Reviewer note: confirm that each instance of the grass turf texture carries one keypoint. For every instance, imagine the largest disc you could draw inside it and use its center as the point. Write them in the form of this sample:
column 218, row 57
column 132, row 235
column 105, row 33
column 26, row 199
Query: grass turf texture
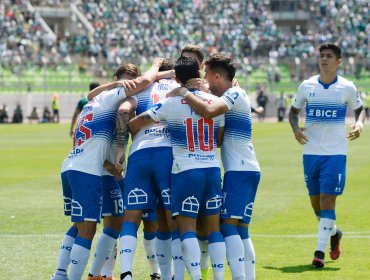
column 283, row 227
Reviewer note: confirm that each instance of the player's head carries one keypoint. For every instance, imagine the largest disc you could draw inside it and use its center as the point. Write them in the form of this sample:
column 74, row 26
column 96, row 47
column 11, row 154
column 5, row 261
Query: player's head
column 195, row 52
column 167, row 64
column 186, row 68
column 127, row 71
column 93, row 85
column 330, row 57
column 220, row 69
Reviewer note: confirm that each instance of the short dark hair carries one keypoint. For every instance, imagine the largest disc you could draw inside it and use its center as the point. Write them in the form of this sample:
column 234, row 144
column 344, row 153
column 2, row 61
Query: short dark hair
column 129, row 69
column 223, row 64
column 167, row 64
column 186, row 68
column 193, row 49
column 93, row 85
column 335, row 48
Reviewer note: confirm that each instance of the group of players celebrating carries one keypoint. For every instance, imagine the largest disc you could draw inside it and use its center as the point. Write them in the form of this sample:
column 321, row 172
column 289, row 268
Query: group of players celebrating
column 177, row 119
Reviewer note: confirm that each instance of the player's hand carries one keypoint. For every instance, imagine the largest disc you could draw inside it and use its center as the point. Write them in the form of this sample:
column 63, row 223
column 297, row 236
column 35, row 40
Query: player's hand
column 355, row 132
column 197, row 83
column 300, row 136
column 179, row 91
column 110, row 167
column 157, row 61
column 236, row 83
column 259, row 110
column 126, row 84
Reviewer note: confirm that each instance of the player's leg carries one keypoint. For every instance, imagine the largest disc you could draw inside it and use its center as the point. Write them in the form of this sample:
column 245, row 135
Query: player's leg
column 210, row 214
column 113, row 217
column 149, row 242
column 86, row 209
column 186, row 193
column 203, row 244
column 70, row 236
column 65, row 253
column 139, row 195
column 163, row 245
column 166, row 225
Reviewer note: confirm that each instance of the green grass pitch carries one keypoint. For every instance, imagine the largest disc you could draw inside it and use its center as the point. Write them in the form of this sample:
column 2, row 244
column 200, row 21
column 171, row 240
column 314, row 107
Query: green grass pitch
column 283, row 227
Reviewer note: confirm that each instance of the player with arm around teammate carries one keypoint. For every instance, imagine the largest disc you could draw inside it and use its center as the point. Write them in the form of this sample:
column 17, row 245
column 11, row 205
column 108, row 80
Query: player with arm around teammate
column 196, row 182
column 81, row 170
column 326, row 97
column 242, row 171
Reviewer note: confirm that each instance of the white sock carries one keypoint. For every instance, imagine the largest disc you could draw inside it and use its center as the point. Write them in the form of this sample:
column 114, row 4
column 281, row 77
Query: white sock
column 204, row 256
column 108, row 267
column 178, row 259
column 217, row 253
column 128, row 246
column 235, row 256
column 334, row 231
column 150, row 250
column 164, row 255
column 64, row 255
column 326, row 227
column 191, row 251
column 249, row 259
column 79, row 257
column 103, row 250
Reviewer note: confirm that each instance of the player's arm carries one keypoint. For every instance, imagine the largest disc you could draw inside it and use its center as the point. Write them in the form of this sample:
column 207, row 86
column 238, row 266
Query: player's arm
column 123, row 117
column 147, row 78
column 140, row 121
column 170, row 74
column 73, row 122
column 359, row 125
column 204, row 109
column 127, row 84
column 112, row 170
column 220, row 136
column 294, row 123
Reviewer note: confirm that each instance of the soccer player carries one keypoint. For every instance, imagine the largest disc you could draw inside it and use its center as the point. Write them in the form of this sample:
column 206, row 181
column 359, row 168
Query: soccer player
column 149, row 180
column 113, row 207
column 195, row 182
column 242, row 171
column 81, row 170
column 81, row 103
column 326, row 97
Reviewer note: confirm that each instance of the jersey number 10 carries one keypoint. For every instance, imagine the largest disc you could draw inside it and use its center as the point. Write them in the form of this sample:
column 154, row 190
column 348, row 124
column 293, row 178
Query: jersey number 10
column 201, row 123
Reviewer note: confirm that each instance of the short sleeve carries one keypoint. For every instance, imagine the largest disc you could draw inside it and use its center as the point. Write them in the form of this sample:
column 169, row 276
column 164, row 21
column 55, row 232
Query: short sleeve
column 300, row 97
column 354, row 99
column 159, row 111
column 230, row 98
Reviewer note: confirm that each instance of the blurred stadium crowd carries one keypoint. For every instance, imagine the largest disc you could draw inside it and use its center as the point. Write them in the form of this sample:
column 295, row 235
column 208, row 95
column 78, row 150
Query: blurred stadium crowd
column 138, row 30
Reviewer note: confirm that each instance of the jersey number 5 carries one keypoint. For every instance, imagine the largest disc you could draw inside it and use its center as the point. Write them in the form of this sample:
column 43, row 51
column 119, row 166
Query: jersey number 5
column 85, row 131
column 201, row 124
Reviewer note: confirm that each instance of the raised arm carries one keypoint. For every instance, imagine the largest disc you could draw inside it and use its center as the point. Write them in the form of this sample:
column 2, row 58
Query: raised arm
column 203, row 108
column 147, row 78
column 98, row 90
column 294, row 123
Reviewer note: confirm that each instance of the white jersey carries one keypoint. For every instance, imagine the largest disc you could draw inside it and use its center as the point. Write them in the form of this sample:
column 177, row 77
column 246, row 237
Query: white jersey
column 156, row 135
column 94, row 133
column 326, row 106
column 193, row 138
column 237, row 149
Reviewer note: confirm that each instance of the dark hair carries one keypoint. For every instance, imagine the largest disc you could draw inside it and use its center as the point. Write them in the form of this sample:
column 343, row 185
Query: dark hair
column 193, row 49
column 335, row 48
column 223, row 64
column 186, row 68
column 129, row 69
column 93, row 85
column 167, row 64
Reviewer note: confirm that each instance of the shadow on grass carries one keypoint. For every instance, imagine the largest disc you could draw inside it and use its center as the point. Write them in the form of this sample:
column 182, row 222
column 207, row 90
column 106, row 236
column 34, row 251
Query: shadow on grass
column 300, row 268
